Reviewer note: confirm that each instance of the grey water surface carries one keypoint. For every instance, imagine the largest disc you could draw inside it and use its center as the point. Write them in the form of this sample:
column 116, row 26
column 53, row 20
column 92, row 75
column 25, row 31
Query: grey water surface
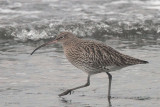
column 129, row 26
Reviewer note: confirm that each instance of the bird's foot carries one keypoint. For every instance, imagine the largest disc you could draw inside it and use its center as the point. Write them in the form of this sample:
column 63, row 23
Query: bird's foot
column 65, row 93
column 109, row 101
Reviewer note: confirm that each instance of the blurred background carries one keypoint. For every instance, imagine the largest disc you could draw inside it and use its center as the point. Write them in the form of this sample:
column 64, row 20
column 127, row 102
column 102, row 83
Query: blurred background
column 130, row 26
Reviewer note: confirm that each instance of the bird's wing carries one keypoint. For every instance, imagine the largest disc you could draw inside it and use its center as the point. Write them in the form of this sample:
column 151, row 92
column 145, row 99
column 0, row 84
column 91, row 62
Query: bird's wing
column 100, row 55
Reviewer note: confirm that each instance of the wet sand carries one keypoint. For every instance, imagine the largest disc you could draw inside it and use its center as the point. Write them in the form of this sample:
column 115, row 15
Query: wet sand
column 36, row 81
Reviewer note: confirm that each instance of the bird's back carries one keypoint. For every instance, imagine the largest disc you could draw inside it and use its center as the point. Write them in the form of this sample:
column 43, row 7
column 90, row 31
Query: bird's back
column 94, row 56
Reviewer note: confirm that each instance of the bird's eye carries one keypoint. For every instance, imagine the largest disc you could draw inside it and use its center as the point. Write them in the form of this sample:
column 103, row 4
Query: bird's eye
column 61, row 37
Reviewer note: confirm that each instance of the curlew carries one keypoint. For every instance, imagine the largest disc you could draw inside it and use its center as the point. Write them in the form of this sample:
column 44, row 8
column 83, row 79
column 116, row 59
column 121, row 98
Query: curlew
column 92, row 57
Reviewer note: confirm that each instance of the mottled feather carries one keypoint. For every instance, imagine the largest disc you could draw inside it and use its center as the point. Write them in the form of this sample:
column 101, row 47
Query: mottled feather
column 90, row 55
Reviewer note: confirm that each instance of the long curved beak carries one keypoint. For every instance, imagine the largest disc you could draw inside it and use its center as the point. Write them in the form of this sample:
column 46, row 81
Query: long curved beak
column 50, row 42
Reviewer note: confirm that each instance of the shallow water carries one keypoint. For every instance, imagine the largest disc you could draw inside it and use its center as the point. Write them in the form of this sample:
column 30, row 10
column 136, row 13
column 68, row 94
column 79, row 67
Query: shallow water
column 131, row 27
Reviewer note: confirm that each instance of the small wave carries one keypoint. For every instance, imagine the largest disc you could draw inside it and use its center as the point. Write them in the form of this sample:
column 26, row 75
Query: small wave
column 103, row 29
column 32, row 21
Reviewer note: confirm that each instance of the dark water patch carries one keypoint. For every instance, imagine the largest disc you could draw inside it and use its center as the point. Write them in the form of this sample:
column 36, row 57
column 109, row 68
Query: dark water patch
column 37, row 93
column 65, row 101
column 12, row 103
column 141, row 98
column 10, row 89
column 71, row 103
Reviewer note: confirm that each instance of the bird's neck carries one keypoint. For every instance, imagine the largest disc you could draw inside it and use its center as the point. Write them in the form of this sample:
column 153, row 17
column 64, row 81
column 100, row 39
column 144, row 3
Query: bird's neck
column 71, row 42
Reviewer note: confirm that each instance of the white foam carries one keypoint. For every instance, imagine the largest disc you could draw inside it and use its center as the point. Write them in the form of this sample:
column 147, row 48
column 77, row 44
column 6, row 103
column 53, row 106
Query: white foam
column 33, row 35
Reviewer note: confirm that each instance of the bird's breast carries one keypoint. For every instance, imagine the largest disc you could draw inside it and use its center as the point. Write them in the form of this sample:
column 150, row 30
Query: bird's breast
column 79, row 59
column 73, row 55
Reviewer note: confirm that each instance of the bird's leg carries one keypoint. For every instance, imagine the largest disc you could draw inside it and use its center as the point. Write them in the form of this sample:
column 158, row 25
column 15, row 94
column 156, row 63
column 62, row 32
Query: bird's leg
column 109, row 88
column 69, row 90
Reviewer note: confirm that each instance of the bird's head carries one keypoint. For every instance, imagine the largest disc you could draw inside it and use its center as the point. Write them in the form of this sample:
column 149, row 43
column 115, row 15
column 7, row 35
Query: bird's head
column 64, row 37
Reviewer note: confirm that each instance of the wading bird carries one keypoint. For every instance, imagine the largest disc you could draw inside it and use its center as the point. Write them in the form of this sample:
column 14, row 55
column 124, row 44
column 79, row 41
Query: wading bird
column 92, row 57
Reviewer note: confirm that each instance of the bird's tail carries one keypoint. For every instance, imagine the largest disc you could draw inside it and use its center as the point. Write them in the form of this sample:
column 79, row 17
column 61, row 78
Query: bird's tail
column 143, row 62
column 132, row 61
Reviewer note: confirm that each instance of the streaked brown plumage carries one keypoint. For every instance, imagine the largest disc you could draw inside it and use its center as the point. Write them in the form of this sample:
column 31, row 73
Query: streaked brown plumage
column 96, row 56
column 92, row 57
